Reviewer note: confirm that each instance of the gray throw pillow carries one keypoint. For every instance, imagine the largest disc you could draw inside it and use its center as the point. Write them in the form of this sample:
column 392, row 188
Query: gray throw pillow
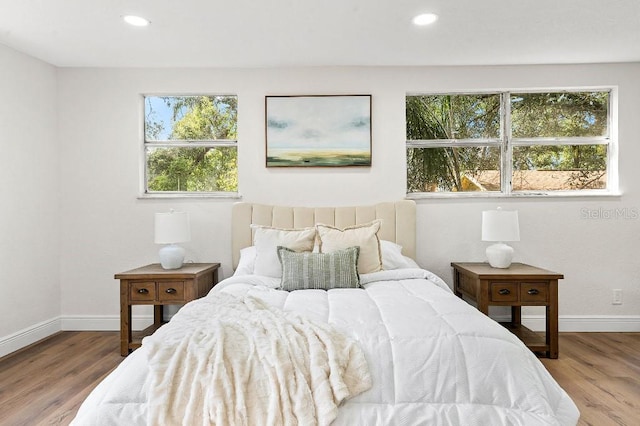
column 306, row 270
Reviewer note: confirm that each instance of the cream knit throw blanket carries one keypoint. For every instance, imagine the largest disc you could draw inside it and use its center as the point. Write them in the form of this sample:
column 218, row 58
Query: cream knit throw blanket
column 225, row 360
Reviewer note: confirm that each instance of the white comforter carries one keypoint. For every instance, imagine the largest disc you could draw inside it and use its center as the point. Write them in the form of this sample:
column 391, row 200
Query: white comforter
column 434, row 360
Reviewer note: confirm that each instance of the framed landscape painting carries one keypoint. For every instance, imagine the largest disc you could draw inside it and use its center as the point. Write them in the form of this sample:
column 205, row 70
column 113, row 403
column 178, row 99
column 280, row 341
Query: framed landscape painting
column 318, row 131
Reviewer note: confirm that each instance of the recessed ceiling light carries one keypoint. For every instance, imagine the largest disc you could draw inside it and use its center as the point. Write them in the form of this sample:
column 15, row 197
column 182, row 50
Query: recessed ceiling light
column 425, row 19
column 136, row 20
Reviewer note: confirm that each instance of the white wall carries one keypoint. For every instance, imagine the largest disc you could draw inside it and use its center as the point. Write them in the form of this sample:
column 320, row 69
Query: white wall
column 69, row 168
column 107, row 229
column 29, row 218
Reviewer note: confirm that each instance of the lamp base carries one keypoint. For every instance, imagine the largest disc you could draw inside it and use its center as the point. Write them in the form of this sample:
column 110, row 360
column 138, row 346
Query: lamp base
column 499, row 255
column 171, row 256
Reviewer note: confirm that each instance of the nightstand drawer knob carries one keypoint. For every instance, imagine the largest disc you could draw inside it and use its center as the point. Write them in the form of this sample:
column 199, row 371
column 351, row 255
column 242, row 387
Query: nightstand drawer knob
column 533, row 291
column 504, row 291
column 143, row 291
column 170, row 290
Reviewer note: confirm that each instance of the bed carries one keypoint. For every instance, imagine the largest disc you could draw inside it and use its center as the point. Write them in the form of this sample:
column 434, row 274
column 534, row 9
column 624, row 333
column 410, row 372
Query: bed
column 413, row 352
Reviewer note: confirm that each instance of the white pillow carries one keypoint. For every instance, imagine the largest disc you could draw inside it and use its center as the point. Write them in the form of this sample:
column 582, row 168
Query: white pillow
column 267, row 239
column 364, row 236
column 392, row 257
column 247, row 262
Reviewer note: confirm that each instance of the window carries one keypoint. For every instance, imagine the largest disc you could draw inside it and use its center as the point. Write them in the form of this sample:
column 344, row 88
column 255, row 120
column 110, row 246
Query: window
column 509, row 142
column 190, row 145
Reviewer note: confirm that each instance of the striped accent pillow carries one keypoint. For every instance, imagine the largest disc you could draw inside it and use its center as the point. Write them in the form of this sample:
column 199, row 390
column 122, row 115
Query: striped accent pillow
column 305, row 270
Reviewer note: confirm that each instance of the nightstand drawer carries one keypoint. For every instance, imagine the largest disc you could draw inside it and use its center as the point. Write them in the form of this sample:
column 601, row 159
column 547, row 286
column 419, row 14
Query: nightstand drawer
column 171, row 291
column 504, row 292
column 142, row 291
column 534, row 292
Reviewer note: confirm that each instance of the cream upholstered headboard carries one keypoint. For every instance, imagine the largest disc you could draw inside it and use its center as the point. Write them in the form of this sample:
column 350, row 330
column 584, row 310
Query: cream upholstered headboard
column 398, row 221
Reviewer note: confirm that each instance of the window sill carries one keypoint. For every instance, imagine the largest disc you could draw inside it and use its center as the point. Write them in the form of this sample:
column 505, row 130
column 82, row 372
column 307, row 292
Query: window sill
column 190, row 195
column 516, row 195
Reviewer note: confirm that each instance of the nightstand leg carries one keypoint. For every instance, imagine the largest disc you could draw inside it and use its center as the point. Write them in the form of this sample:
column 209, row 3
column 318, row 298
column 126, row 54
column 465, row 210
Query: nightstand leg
column 482, row 296
column 125, row 329
column 125, row 318
column 552, row 333
column 456, row 283
column 158, row 313
column 516, row 315
column 552, row 320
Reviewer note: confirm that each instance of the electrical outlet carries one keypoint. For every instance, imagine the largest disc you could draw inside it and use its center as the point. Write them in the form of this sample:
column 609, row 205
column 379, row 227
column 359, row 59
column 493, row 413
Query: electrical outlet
column 617, row 297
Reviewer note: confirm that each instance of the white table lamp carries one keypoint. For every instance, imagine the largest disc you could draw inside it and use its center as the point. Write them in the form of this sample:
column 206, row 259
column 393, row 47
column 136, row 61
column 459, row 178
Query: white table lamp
column 172, row 228
column 500, row 225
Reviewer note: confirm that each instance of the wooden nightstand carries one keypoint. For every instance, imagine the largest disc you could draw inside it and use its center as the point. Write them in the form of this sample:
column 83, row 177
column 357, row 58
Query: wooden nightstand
column 152, row 285
column 517, row 286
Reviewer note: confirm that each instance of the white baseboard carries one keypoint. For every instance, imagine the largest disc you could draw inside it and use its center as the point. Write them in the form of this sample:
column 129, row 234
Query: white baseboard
column 582, row 323
column 575, row 323
column 37, row 332
column 27, row 336
column 103, row 323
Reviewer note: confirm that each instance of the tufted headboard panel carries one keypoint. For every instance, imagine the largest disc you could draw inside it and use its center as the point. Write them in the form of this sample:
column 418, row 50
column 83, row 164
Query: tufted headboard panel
column 398, row 221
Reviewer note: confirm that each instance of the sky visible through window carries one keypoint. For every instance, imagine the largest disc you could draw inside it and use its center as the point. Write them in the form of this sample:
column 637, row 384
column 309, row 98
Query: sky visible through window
column 157, row 110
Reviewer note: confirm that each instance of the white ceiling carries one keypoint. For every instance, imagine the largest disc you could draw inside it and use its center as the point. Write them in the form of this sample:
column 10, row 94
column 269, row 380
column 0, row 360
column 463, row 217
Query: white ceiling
column 269, row 33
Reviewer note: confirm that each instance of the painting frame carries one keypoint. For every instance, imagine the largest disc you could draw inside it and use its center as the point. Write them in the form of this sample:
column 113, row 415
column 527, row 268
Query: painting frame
column 318, row 131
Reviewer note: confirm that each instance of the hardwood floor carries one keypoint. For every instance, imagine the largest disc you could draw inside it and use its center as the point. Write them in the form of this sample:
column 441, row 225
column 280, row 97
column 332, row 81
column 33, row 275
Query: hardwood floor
column 45, row 383
column 601, row 372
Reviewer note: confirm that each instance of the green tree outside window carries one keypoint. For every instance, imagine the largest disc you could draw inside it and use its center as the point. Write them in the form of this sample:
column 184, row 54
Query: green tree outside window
column 191, row 144
column 541, row 141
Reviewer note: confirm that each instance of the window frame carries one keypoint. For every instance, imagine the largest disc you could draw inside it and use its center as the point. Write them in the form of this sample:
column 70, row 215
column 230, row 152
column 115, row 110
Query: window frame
column 506, row 143
column 181, row 143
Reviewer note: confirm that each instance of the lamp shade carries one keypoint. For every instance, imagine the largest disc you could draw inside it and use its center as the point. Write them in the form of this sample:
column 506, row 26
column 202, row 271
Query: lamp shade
column 500, row 225
column 172, row 227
